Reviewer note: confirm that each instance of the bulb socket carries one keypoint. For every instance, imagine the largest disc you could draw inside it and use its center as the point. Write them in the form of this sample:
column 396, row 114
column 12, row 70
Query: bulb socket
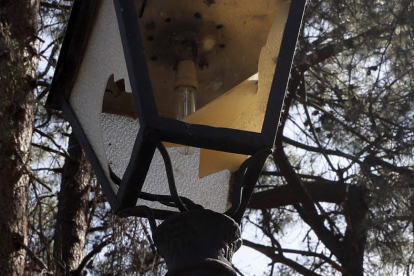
column 186, row 74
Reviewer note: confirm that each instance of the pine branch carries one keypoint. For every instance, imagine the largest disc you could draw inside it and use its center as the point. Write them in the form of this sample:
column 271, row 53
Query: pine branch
column 312, row 216
column 335, row 48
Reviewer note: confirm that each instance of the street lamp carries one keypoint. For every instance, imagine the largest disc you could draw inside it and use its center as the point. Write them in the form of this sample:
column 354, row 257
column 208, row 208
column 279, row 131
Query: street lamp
column 180, row 93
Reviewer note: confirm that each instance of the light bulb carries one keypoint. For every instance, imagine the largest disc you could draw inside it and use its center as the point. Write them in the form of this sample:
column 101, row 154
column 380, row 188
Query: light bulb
column 185, row 95
column 185, row 105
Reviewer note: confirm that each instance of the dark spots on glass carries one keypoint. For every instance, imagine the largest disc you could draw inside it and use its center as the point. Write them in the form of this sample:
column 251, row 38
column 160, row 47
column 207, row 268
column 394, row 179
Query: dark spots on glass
column 150, row 26
column 203, row 65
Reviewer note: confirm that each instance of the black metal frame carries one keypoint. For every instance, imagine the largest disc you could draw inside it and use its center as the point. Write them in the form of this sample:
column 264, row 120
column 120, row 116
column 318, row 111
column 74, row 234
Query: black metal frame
column 174, row 131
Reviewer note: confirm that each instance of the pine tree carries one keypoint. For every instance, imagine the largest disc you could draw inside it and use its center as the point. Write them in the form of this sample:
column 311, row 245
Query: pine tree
column 17, row 67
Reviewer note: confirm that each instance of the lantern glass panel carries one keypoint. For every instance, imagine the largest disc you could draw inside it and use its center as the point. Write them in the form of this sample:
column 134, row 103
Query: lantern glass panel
column 119, row 133
column 103, row 57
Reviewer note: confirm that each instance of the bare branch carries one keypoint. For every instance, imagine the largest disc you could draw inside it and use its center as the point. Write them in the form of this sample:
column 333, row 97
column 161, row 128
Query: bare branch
column 36, row 179
column 278, row 258
column 320, row 191
column 55, row 6
column 90, row 255
column 237, row 270
column 35, row 258
column 52, row 140
column 50, row 150
column 55, row 170
column 305, row 176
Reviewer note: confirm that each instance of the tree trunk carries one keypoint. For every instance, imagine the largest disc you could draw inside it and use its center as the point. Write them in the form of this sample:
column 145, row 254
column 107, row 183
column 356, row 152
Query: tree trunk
column 356, row 212
column 72, row 219
column 18, row 28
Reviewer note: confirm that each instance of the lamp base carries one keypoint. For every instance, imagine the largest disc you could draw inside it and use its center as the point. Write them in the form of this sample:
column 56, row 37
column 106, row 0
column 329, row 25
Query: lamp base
column 208, row 267
column 198, row 243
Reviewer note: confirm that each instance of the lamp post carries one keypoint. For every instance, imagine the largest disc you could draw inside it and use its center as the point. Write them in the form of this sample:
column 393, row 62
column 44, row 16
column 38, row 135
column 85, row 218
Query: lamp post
column 169, row 99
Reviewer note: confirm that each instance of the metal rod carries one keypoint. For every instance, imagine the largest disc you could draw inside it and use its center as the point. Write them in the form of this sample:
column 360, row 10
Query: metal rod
column 240, row 178
column 138, row 211
column 168, row 200
column 153, row 137
column 158, row 198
